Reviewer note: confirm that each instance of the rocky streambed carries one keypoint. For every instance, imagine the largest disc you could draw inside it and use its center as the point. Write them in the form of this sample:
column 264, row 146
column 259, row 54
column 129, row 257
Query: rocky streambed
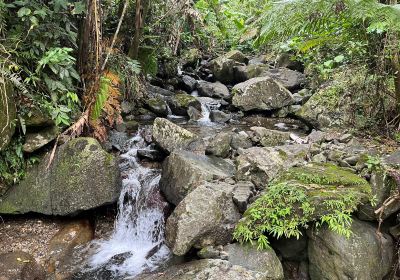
column 190, row 165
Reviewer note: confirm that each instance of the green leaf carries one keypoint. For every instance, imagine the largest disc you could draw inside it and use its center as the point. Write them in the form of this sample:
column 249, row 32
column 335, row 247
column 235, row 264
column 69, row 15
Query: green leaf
column 24, row 12
column 339, row 58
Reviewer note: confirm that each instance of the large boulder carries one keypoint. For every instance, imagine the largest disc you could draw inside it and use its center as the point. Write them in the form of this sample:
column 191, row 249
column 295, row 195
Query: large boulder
column 82, row 176
column 290, row 79
column 206, row 269
column 223, row 66
column 183, row 171
column 20, row 266
column 180, row 103
column 263, row 93
column 237, row 56
column 7, row 113
column 365, row 255
column 170, row 136
column 263, row 261
column 217, row 90
column 260, row 165
column 206, row 216
column 268, row 137
column 220, row 145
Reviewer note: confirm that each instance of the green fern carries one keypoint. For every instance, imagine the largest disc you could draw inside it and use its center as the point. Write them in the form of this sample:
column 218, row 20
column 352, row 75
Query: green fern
column 101, row 98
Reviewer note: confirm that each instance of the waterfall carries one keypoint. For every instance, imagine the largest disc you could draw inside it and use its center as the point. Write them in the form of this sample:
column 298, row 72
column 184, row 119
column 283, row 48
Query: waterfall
column 138, row 236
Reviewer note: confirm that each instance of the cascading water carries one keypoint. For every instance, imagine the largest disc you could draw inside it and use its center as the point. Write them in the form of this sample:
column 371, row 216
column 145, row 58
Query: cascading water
column 138, row 236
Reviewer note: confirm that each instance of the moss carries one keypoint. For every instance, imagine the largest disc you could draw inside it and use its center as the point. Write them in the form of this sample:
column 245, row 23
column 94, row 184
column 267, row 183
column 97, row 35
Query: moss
column 184, row 100
column 8, row 208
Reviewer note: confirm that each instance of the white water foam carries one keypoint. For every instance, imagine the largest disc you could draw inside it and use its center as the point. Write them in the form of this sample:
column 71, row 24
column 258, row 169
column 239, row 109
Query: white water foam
column 139, row 228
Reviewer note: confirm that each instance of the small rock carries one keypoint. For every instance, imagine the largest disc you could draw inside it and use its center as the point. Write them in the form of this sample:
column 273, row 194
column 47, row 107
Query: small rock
column 345, row 138
column 241, row 140
column 157, row 106
column 20, row 266
column 188, row 83
column 242, row 193
column 194, row 114
column 319, row 158
column 180, row 103
column 220, row 145
column 219, row 116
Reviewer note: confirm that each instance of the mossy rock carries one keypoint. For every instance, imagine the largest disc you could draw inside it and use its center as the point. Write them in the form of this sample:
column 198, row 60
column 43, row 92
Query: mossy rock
column 82, row 176
column 316, row 192
column 180, row 103
column 8, row 113
column 157, row 106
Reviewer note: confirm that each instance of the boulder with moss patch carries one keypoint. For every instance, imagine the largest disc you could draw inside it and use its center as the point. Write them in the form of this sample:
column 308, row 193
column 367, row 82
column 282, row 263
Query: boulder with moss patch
column 315, row 192
column 8, row 113
column 158, row 106
column 82, row 176
column 180, row 103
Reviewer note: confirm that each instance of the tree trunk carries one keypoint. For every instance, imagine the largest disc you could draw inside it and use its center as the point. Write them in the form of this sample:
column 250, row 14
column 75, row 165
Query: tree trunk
column 139, row 24
column 90, row 52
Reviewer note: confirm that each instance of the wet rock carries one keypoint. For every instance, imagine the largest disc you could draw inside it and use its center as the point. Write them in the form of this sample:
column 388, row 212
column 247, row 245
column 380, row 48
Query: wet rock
column 180, row 103
column 157, row 106
column 62, row 246
column 290, row 79
column 362, row 256
column 268, row 137
column 263, row 261
column 246, row 72
column 216, row 89
column 260, row 165
column 157, row 91
column 206, row 216
column 170, row 136
column 183, row 171
column 20, row 266
column 220, row 145
column 188, row 83
column 206, row 269
column 82, row 176
column 144, row 115
column 8, row 114
column 242, row 193
column 219, row 116
column 35, row 141
column 152, row 155
column 194, row 114
column 117, row 140
column 261, row 94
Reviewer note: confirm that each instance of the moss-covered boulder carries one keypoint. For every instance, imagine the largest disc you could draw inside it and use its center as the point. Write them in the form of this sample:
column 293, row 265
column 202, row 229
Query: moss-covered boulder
column 191, row 57
column 364, row 255
column 259, row 94
column 324, row 193
column 7, row 113
column 222, row 68
column 180, row 103
column 81, row 176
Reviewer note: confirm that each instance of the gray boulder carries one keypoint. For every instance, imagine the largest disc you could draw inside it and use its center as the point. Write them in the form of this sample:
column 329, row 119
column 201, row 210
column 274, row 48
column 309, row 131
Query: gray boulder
column 216, row 89
column 219, row 116
column 261, row 93
column 242, row 194
column 260, row 165
column 246, row 72
column 288, row 78
column 37, row 140
column 184, row 171
column 206, row 216
column 268, row 137
column 8, row 113
column 82, row 176
column 188, row 83
column 237, row 56
column 206, row 270
column 170, row 136
column 364, row 255
column 263, row 261
column 222, row 68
